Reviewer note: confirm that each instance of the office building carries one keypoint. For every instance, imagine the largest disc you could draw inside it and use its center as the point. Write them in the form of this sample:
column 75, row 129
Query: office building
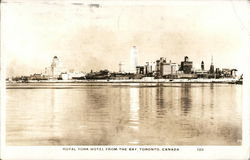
column 149, row 68
column 133, row 59
column 186, row 66
column 159, row 66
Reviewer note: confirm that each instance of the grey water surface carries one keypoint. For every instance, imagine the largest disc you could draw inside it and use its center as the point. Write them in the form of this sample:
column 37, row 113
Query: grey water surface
column 124, row 114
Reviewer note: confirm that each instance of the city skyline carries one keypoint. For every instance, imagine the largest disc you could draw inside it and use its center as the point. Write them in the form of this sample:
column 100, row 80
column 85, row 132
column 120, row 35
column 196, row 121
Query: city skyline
column 99, row 37
column 57, row 68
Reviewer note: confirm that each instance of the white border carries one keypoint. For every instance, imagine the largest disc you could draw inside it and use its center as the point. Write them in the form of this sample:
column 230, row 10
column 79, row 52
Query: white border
column 185, row 152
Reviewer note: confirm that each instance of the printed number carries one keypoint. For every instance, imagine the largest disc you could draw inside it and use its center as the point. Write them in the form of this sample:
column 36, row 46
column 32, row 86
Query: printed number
column 200, row 149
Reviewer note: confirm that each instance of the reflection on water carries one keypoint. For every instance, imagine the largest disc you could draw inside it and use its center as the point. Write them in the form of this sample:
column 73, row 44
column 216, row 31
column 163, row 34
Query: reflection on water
column 186, row 99
column 134, row 114
column 82, row 114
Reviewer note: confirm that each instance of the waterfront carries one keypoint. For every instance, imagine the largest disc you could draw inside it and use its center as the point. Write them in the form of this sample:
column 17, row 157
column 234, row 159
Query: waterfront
column 128, row 114
column 144, row 80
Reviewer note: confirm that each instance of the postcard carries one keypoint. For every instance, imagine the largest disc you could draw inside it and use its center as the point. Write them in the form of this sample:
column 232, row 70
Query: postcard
column 125, row 79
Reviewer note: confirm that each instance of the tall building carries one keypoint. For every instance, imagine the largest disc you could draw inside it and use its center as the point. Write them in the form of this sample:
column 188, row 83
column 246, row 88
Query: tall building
column 56, row 67
column 159, row 66
column 164, row 68
column 133, row 59
column 169, row 69
column 186, row 65
column 148, row 68
column 211, row 70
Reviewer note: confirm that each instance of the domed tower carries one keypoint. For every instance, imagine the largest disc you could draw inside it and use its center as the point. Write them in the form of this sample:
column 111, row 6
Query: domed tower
column 202, row 66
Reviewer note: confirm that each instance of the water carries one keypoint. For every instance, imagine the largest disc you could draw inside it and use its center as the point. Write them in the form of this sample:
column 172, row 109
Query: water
column 100, row 114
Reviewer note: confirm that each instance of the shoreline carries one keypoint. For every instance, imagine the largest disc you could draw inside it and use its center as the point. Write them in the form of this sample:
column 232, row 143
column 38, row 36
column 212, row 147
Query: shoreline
column 225, row 80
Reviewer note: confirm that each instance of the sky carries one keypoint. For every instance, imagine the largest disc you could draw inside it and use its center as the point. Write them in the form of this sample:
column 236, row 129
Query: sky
column 86, row 37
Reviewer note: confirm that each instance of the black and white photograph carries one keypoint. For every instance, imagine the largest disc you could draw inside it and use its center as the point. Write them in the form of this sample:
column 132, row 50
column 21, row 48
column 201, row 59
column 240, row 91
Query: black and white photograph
column 125, row 74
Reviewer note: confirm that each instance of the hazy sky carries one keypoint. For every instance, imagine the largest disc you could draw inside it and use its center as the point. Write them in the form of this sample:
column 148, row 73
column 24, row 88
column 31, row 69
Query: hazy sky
column 85, row 37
